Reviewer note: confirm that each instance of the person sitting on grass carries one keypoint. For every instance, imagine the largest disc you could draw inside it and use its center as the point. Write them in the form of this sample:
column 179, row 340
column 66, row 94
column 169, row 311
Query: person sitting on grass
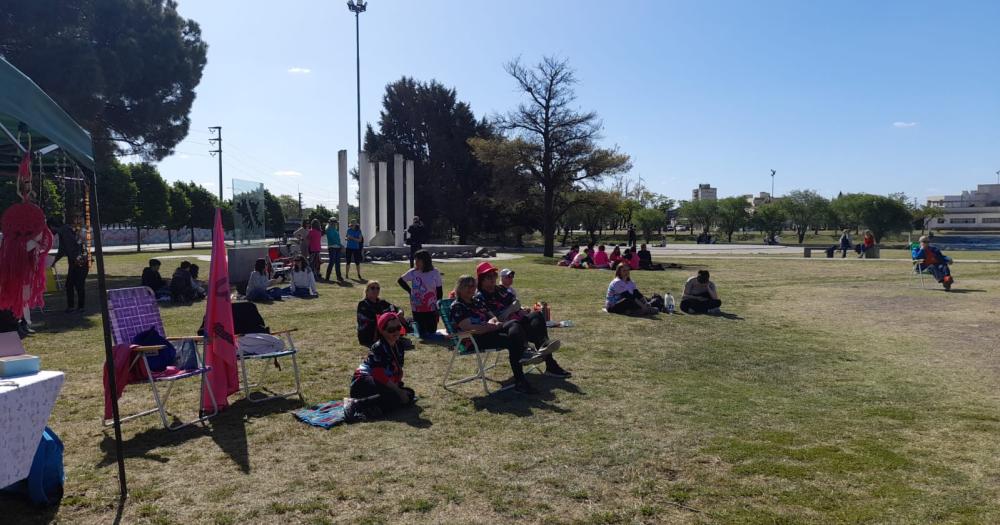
column 615, row 258
column 580, row 261
column 259, row 286
column 570, row 256
column 197, row 284
column 151, row 279
column 303, row 279
column 370, row 308
column 181, row 289
column 700, row 295
column 929, row 258
column 631, row 258
column 505, row 306
column 381, row 373
column 601, row 259
column 423, row 283
column 470, row 314
column 623, row 296
column 646, row 259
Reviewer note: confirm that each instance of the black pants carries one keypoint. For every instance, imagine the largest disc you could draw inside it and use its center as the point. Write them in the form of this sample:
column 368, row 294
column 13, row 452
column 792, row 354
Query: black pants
column 387, row 399
column 699, row 306
column 414, row 248
column 334, row 260
column 427, row 323
column 628, row 305
column 514, row 337
column 75, row 282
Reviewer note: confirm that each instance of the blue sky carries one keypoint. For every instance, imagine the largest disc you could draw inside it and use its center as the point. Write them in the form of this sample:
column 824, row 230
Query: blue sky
column 836, row 96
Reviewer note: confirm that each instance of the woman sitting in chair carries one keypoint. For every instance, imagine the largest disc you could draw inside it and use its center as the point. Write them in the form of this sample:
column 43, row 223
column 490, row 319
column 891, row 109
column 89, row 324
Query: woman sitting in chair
column 381, row 373
column 370, row 308
column 505, row 306
column 930, row 259
column 470, row 314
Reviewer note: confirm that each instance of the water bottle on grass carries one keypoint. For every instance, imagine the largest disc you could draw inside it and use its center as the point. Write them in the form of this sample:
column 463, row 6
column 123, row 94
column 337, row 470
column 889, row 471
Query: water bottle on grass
column 670, row 303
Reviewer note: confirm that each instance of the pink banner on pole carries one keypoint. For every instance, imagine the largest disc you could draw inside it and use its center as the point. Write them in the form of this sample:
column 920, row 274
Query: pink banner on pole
column 220, row 341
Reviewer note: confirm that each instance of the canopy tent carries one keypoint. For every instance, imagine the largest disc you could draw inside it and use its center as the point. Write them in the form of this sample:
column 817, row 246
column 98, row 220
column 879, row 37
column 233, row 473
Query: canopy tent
column 24, row 106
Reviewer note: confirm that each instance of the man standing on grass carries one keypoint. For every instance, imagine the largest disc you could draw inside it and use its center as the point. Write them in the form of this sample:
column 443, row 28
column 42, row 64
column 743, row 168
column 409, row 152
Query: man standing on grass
column 415, row 235
column 333, row 249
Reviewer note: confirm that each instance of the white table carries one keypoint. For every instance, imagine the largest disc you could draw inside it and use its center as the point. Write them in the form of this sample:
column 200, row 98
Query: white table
column 24, row 411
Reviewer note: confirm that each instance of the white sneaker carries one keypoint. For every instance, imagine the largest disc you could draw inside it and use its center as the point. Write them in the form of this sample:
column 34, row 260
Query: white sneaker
column 549, row 346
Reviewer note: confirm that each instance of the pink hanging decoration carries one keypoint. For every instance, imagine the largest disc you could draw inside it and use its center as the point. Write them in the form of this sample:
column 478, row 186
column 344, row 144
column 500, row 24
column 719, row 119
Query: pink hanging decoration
column 26, row 242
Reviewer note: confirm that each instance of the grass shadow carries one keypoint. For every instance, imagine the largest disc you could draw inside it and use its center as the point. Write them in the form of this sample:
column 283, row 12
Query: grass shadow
column 412, row 416
column 145, row 443
column 521, row 405
column 964, row 290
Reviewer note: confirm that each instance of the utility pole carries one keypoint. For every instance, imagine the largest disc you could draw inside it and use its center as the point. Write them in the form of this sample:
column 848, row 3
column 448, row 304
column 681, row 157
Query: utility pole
column 217, row 141
column 998, row 176
column 300, row 205
column 357, row 8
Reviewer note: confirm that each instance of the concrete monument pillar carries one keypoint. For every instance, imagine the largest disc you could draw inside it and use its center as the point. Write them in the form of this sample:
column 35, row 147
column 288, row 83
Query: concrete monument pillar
column 369, row 213
column 342, row 208
column 397, row 190
column 410, row 212
column 383, row 197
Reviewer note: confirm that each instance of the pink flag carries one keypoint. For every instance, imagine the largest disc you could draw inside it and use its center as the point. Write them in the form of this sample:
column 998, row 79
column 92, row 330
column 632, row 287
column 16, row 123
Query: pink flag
column 220, row 341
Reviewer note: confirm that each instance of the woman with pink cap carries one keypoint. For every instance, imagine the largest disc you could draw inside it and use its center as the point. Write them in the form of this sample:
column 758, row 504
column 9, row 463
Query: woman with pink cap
column 381, row 373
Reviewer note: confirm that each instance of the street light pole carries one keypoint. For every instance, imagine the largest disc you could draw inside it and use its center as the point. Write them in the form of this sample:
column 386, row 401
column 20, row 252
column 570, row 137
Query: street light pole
column 358, row 7
column 772, row 184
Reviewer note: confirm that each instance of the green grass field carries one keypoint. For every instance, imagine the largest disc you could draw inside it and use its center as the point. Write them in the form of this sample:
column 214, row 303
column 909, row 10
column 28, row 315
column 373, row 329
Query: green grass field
column 834, row 393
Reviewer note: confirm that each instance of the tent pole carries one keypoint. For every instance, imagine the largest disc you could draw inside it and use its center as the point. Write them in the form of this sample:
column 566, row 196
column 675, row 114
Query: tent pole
column 102, row 297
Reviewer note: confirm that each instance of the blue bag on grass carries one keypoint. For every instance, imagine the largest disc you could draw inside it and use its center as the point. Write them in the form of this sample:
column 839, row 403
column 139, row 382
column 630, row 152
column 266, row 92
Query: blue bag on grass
column 44, row 485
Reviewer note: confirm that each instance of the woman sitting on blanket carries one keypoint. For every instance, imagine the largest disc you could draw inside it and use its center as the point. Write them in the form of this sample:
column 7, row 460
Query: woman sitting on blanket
column 470, row 314
column 381, row 373
column 370, row 308
column 259, row 286
column 303, row 280
column 623, row 296
column 506, row 308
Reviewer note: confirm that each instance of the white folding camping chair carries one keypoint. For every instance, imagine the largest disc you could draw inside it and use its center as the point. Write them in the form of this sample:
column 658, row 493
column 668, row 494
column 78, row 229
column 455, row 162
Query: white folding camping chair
column 257, row 343
column 462, row 344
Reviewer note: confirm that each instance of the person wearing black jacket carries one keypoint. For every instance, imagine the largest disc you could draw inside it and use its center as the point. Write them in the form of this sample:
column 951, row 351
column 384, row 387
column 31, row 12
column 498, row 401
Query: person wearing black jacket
column 152, row 279
column 71, row 248
column 416, row 234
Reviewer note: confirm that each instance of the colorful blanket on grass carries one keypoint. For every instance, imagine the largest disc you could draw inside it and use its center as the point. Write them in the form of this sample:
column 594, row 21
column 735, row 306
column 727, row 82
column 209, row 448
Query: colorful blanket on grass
column 324, row 415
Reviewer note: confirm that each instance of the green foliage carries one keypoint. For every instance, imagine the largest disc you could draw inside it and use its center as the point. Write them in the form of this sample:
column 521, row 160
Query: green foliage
column 275, row 215
column 848, row 210
column 289, row 207
column 320, row 213
column 426, row 123
column 885, row 215
column 700, row 213
column 549, row 141
column 116, row 192
column 152, row 204
column 124, row 69
column 805, row 209
column 733, row 215
column 180, row 207
column 769, row 219
column 48, row 197
column 648, row 220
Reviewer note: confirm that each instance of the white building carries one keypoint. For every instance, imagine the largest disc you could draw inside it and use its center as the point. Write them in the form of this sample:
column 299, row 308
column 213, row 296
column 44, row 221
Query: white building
column 978, row 209
column 704, row 192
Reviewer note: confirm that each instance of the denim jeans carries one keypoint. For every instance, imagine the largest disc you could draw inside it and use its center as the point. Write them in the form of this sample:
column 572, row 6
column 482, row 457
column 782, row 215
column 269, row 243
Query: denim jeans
column 334, row 254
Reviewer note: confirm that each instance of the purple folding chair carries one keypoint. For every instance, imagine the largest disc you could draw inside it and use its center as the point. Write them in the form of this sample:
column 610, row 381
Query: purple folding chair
column 135, row 310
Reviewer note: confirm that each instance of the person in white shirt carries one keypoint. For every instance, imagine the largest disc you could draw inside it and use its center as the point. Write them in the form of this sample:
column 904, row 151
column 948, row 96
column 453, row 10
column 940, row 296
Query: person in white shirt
column 303, row 279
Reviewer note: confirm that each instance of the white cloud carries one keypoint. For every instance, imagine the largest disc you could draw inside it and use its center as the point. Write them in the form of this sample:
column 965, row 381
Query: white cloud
column 904, row 124
column 288, row 173
column 299, row 71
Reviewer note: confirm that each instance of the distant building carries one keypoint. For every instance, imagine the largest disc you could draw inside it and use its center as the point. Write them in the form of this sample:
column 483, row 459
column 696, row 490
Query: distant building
column 978, row 209
column 704, row 192
column 762, row 198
